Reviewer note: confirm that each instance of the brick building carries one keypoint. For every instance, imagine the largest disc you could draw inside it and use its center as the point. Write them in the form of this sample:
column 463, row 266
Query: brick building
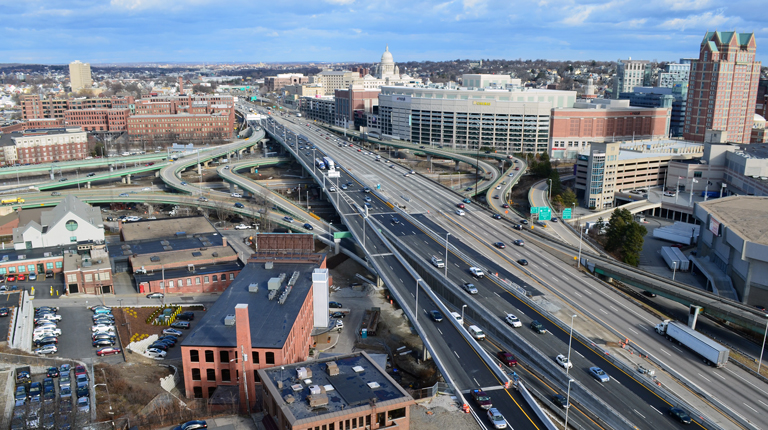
column 188, row 117
column 338, row 393
column 572, row 129
column 45, row 146
column 354, row 100
column 98, row 119
column 88, row 271
column 274, row 83
column 34, row 107
column 723, row 87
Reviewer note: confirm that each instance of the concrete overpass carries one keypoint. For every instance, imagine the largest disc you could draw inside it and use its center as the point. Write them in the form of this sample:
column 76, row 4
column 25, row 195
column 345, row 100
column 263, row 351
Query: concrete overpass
column 82, row 164
column 125, row 174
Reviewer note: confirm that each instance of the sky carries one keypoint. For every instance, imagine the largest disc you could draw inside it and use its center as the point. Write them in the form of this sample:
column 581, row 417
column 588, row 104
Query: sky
column 129, row 31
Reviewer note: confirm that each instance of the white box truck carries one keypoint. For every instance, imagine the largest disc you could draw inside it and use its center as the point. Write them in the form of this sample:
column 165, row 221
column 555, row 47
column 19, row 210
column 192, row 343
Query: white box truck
column 713, row 353
column 437, row 262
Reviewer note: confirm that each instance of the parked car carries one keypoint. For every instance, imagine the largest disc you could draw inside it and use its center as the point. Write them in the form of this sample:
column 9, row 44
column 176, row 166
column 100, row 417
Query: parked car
column 80, row 370
column 172, row 332
column 192, row 425
column 242, row 227
column 180, row 324
column 65, row 392
column 155, row 295
column 103, row 342
column 155, row 353
column 335, row 305
column 159, row 345
column 186, row 316
column 83, row 404
column 47, row 349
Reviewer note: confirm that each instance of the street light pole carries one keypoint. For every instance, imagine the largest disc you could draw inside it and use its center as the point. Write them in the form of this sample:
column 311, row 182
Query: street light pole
column 759, row 363
column 549, row 189
column 690, row 196
column 581, row 233
column 568, row 368
column 674, row 269
column 462, row 313
column 445, row 264
column 568, row 402
column 416, row 309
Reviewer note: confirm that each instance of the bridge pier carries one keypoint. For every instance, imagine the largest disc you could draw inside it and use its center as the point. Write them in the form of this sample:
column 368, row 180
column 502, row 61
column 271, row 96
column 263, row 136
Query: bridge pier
column 253, row 169
column 231, row 188
column 87, row 185
column 150, row 209
column 456, row 165
column 207, row 164
column 157, row 173
column 501, row 165
column 199, row 169
column 127, row 179
column 53, row 176
column 254, row 148
column 693, row 316
column 336, row 248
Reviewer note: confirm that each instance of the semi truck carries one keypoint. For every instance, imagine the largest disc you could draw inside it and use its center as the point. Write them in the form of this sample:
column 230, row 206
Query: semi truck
column 329, row 163
column 319, row 163
column 12, row 201
column 712, row 352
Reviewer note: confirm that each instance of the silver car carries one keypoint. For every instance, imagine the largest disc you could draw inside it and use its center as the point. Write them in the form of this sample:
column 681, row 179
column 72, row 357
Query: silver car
column 497, row 419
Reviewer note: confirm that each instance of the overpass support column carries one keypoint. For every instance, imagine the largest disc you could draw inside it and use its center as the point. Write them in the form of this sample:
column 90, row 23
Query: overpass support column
column 253, row 170
column 150, row 209
column 747, row 284
column 425, row 355
column 336, row 248
column 501, row 165
column 254, row 148
column 693, row 316
column 456, row 165
column 53, row 176
column 231, row 188
column 429, row 157
column 127, row 179
column 87, row 185
column 207, row 164
column 199, row 169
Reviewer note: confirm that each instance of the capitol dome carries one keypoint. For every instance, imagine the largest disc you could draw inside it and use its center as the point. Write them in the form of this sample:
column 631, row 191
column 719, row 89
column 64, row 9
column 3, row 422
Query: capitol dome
column 386, row 57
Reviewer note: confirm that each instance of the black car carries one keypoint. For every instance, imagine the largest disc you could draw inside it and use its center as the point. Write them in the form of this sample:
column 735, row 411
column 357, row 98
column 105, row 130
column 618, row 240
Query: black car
column 186, row 316
column 82, row 391
column 522, row 262
column 173, row 339
column 649, row 294
column 192, row 425
column 538, row 327
column 167, row 342
column 100, row 336
column 103, row 342
column 436, row 315
column 3, row 312
column 395, row 220
column 560, row 400
column 159, row 345
column 680, row 415
column 48, row 340
column 49, row 273
column 335, row 305
column 496, row 216
column 308, row 226
column 338, row 315
column 53, row 372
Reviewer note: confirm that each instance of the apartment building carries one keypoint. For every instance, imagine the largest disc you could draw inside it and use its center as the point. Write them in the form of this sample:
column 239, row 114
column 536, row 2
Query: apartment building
column 98, row 119
column 47, row 145
column 723, row 87
column 319, row 108
column 630, row 74
column 80, row 76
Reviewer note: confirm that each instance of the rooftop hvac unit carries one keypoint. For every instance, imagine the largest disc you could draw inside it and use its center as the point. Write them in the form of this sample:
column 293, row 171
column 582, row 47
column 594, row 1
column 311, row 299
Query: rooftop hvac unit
column 289, row 399
column 303, row 373
column 358, row 369
column 284, row 296
column 332, row 368
column 253, row 288
column 269, row 265
column 229, row 320
column 294, row 278
column 374, row 385
column 297, row 387
column 328, row 387
column 316, row 400
column 273, row 284
column 315, row 389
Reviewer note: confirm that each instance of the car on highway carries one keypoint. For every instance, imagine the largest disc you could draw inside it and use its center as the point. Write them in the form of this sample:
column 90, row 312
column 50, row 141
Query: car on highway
column 124, row 195
column 498, row 187
column 540, row 223
column 476, row 272
column 467, row 201
column 599, row 374
column 172, row 332
column 4, row 312
column 155, row 295
column 505, row 206
column 513, row 320
column 500, row 245
column 482, row 399
column 560, row 400
column 563, row 361
column 497, row 419
column 538, row 327
column 62, row 179
column 47, row 349
column 202, row 199
column 519, row 242
column 460, row 205
column 469, row 287
column 460, row 212
column 308, row 226
column 236, row 195
column 680, row 415
column 395, row 220
column 184, row 183
column 287, row 219
column 146, row 189
column 242, row 227
column 496, row 216
column 522, row 262
column 524, row 221
column 239, row 205
column 507, row 358
column 554, row 219
column 436, row 315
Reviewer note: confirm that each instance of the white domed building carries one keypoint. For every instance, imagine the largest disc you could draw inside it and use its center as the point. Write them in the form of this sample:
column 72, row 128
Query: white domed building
column 387, row 73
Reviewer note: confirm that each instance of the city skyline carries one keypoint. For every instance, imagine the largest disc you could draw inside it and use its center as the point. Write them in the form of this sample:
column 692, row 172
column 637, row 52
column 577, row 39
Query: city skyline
column 126, row 31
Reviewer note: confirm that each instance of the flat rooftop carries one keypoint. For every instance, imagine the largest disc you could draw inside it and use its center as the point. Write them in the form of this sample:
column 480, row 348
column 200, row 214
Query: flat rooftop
column 270, row 321
column 208, row 269
column 193, row 256
column 127, row 249
column 166, row 227
column 745, row 215
column 347, row 390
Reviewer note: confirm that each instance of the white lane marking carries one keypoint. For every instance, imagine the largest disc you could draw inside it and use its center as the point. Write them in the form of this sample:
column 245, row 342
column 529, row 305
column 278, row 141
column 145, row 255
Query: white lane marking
column 704, row 377
column 639, row 413
column 660, row 413
column 578, row 294
column 680, row 350
column 441, row 333
column 603, row 311
column 587, row 291
column 412, row 295
column 632, row 330
column 496, row 294
column 748, row 382
column 643, row 327
column 390, row 268
column 763, row 403
column 457, row 355
column 664, row 351
column 750, row 407
column 721, row 377
column 476, row 381
column 614, row 308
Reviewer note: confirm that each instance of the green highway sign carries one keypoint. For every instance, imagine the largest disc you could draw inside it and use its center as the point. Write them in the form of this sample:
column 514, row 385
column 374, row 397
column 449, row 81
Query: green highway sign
column 545, row 214
column 567, row 213
column 534, row 210
column 342, row 235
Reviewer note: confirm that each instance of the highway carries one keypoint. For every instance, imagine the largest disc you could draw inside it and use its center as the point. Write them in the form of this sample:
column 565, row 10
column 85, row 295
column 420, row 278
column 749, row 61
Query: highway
column 83, row 164
column 463, row 363
column 429, row 199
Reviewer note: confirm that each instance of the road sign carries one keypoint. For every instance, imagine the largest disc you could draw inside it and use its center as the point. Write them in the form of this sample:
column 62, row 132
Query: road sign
column 545, row 214
column 567, row 213
column 534, row 210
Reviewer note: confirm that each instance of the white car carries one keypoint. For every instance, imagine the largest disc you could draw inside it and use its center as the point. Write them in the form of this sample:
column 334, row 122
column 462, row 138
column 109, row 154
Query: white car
column 563, row 361
column 102, row 327
column 497, row 419
column 236, row 195
column 155, row 353
column 498, row 187
column 332, row 189
column 83, row 404
column 242, row 227
column 49, row 317
column 146, row 189
column 47, row 332
column 513, row 321
column 476, row 272
column 459, row 212
column 339, row 325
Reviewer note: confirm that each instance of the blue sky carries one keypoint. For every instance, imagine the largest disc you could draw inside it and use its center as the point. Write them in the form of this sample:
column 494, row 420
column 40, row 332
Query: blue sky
column 119, row 31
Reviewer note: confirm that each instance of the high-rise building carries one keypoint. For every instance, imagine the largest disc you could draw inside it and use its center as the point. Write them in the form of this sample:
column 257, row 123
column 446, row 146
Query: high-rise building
column 723, row 87
column 630, row 74
column 80, row 76
column 674, row 74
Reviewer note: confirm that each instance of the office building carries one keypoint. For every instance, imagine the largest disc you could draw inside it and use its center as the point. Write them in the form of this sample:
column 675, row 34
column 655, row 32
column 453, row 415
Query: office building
column 674, row 74
column 477, row 81
column 732, row 250
column 603, row 120
column 723, row 87
column 331, row 80
column 80, row 76
column 672, row 98
column 344, row 392
column 88, row 270
column 319, row 108
column 34, row 107
column 275, row 83
column 612, row 167
column 353, row 103
column 630, row 74
column 71, row 221
column 514, row 120
column 46, row 146
column 98, row 119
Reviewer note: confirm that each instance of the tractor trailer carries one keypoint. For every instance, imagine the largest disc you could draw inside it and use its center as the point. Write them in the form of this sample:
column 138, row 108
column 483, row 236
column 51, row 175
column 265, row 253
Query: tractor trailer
column 713, row 353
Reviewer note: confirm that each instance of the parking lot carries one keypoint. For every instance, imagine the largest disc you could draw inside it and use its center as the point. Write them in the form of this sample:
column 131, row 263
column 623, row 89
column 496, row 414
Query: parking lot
column 50, row 411
column 75, row 341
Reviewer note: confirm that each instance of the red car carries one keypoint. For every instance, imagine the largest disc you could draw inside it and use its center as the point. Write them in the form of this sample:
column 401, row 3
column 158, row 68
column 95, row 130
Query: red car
column 80, row 370
column 108, row 350
column 21, row 277
column 507, row 358
column 505, row 206
column 460, row 205
column 10, row 278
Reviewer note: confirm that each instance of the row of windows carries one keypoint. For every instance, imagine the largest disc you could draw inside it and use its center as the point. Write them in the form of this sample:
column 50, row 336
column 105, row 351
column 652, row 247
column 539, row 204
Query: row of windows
column 206, row 280
column 28, row 268
column 194, row 356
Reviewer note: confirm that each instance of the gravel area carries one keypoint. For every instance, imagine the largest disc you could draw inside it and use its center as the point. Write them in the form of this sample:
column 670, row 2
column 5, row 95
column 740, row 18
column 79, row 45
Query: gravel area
column 440, row 413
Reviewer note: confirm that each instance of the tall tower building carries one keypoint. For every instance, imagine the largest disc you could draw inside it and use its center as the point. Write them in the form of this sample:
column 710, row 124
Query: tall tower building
column 80, row 75
column 723, row 87
column 630, row 74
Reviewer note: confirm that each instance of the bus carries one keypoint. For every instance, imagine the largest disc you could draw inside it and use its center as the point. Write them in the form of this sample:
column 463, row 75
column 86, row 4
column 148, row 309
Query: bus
column 319, row 163
column 329, row 163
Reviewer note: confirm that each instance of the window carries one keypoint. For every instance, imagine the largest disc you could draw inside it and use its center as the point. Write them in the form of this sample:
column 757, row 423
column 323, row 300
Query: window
column 194, row 356
column 210, row 374
column 208, row 356
column 256, row 377
column 11, row 269
column 170, row 284
column 196, row 374
column 189, row 281
column 59, row 264
column 231, row 276
column 31, row 268
column 224, row 356
column 270, row 357
column 225, row 376
column 105, row 276
column 198, row 392
column 205, row 279
column 397, row 413
column 71, row 225
column 697, row 174
column 255, row 355
column 71, row 278
column 197, row 281
column 73, row 239
column 215, row 278
column 22, row 269
column 88, row 277
column 49, row 265
column 223, row 277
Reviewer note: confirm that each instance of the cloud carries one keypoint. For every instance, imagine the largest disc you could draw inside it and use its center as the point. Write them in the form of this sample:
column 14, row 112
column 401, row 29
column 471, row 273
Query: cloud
column 709, row 20
column 472, row 9
column 633, row 23
column 687, row 4
column 341, row 2
column 138, row 5
column 579, row 15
